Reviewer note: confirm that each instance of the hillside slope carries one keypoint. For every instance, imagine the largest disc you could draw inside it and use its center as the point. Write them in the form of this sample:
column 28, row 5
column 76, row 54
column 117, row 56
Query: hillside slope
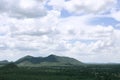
column 51, row 60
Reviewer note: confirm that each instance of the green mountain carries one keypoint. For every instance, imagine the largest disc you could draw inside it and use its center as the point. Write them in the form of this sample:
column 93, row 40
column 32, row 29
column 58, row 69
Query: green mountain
column 51, row 60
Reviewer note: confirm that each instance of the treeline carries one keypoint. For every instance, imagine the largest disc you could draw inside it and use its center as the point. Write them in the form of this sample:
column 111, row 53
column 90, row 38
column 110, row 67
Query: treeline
column 89, row 72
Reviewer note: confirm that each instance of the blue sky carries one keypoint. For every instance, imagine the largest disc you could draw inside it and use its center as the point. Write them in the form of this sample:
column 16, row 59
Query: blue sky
column 87, row 30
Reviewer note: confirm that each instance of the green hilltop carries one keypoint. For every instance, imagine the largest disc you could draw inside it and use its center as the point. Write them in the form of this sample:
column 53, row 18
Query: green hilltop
column 51, row 60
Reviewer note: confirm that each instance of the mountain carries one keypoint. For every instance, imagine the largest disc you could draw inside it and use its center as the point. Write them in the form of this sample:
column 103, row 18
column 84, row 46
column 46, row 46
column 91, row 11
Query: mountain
column 51, row 60
column 4, row 62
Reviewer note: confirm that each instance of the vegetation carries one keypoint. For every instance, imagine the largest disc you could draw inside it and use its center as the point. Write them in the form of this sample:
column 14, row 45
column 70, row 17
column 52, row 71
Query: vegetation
column 4, row 62
column 9, row 66
column 51, row 60
column 88, row 72
column 57, row 68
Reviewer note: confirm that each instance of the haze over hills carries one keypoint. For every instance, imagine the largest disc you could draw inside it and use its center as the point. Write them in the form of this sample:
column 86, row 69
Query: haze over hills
column 51, row 60
column 4, row 62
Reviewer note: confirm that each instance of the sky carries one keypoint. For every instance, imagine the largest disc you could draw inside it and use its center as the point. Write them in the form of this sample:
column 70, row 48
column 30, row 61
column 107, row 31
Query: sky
column 87, row 30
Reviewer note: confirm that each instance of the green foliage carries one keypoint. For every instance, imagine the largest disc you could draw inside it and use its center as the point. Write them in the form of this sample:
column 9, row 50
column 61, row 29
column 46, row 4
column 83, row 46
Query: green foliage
column 9, row 66
column 89, row 72
column 51, row 60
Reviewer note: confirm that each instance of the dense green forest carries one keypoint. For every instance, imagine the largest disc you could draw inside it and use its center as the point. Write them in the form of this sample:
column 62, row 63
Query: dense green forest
column 88, row 72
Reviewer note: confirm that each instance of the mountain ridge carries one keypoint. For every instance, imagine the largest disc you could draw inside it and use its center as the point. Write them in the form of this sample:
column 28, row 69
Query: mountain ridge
column 51, row 60
column 4, row 62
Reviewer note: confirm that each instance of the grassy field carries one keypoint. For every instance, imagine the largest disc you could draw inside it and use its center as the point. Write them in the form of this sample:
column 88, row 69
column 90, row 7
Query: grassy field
column 89, row 72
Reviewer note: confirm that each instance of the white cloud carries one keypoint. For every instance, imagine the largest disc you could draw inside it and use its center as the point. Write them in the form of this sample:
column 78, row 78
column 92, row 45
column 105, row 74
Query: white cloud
column 89, row 6
column 84, row 6
column 64, row 37
column 57, row 4
column 71, row 36
column 23, row 8
column 116, row 15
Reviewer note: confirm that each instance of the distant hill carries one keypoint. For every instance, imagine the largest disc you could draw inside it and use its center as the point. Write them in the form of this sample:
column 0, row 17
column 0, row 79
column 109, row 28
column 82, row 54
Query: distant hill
column 9, row 66
column 51, row 60
column 4, row 62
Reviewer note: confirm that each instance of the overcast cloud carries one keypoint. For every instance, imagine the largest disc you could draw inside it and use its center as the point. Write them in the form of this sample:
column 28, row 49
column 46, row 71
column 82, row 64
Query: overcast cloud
column 60, row 27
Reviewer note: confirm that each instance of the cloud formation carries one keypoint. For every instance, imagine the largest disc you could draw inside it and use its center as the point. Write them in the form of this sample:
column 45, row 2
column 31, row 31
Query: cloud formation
column 84, row 6
column 36, row 27
column 23, row 8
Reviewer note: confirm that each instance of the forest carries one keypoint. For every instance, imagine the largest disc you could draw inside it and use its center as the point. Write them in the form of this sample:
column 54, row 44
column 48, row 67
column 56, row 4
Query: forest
column 86, row 72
